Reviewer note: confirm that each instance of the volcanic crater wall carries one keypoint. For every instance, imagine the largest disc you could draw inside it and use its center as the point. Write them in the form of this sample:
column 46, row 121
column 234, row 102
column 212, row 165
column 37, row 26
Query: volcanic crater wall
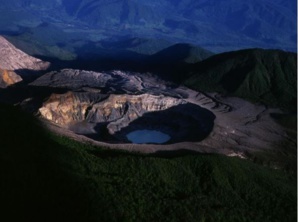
column 121, row 114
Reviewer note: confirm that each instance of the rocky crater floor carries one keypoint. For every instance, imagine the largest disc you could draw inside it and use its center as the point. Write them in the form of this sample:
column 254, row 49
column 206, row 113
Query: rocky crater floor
column 105, row 107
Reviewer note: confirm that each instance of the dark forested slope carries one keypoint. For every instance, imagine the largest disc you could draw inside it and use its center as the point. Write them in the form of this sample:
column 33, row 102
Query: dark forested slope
column 50, row 178
column 267, row 76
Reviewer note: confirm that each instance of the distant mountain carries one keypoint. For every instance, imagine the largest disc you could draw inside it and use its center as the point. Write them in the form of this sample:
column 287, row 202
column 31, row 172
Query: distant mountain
column 179, row 53
column 135, row 49
column 215, row 25
column 143, row 46
column 46, row 40
column 174, row 62
column 50, row 40
column 267, row 76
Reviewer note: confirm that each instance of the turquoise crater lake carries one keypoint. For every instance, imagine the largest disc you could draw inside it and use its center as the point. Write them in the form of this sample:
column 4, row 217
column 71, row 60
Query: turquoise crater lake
column 147, row 136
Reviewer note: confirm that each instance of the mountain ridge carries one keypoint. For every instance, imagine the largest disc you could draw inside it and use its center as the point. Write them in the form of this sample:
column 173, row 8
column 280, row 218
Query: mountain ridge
column 241, row 24
column 267, row 76
column 181, row 52
column 12, row 58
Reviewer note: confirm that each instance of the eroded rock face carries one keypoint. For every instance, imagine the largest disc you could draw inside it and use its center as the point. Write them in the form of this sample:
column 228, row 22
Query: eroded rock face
column 8, row 78
column 107, row 106
column 120, row 110
column 111, row 104
column 12, row 58
column 73, row 79
column 110, row 82
column 70, row 107
column 112, row 117
column 115, row 110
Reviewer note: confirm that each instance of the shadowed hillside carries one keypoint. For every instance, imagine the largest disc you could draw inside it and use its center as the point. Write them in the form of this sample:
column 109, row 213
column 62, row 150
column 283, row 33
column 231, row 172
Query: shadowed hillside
column 181, row 53
column 266, row 76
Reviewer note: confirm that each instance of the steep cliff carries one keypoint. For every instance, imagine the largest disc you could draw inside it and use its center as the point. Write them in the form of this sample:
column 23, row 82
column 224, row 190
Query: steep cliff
column 116, row 110
column 112, row 117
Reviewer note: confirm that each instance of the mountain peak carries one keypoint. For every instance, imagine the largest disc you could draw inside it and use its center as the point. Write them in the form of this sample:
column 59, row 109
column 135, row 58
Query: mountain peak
column 12, row 58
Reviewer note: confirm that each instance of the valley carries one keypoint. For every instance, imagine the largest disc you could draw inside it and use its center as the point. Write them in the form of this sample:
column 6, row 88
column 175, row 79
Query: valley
column 65, row 29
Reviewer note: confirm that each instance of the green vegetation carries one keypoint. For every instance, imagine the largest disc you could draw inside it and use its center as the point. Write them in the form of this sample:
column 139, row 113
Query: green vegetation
column 45, row 177
column 262, row 76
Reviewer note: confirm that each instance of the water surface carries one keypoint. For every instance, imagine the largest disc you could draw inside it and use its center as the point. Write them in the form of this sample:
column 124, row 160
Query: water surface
column 147, row 136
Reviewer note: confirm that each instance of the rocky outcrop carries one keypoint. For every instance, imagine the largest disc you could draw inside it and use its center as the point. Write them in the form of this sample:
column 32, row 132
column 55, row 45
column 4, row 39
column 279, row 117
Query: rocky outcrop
column 12, row 58
column 117, row 111
column 70, row 107
column 73, row 79
column 120, row 110
column 112, row 117
column 109, row 82
column 8, row 78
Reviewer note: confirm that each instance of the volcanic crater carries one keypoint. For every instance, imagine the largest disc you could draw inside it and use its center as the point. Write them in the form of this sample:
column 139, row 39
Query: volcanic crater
column 117, row 108
column 108, row 114
column 111, row 118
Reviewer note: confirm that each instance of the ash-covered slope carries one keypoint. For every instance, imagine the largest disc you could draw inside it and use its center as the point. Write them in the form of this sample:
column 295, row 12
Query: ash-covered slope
column 266, row 76
column 14, row 61
column 105, row 82
column 12, row 58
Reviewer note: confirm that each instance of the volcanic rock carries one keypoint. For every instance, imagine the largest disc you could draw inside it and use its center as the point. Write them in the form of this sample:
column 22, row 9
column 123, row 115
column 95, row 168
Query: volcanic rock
column 108, row 106
column 8, row 78
column 12, row 58
column 111, row 82
column 117, row 110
